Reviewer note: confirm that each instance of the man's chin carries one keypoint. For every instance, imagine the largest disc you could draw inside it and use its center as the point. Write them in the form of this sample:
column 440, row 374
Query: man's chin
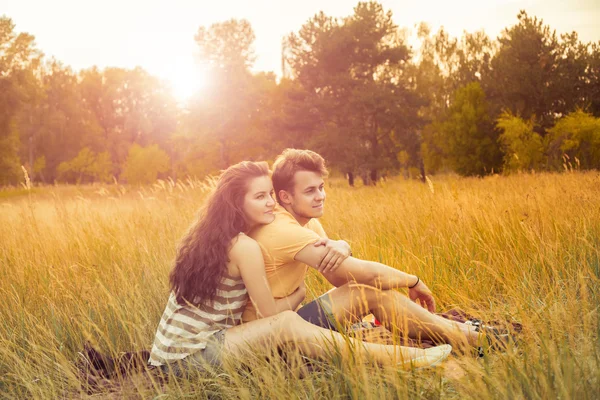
column 311, row 213
column 317, row 213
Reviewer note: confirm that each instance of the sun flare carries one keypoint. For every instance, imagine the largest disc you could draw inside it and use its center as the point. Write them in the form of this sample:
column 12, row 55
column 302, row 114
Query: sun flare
column 186, row 79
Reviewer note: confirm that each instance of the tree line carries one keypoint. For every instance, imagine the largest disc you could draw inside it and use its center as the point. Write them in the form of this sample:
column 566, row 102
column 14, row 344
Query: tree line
column 353, row 89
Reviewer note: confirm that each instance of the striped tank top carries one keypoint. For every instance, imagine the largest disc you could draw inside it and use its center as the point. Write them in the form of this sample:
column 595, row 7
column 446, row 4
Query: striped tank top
column 185, row 329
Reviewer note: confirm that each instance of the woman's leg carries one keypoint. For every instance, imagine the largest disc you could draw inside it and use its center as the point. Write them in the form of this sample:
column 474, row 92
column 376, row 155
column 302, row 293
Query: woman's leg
column 352, row 301
column 311, row 340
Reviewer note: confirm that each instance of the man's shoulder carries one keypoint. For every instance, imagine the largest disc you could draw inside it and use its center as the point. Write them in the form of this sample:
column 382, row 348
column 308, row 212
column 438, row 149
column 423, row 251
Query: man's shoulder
column 315, row 226
column 283, row 238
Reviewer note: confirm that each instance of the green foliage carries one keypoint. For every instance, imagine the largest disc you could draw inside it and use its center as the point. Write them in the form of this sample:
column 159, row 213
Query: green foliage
column 194, row 160
column 54, row 121
column 353, row 73
column 18, row 59
column 523, row 75
column 523, row 148
column 574, row 75
column 87, row 166
column 17, row 51
column 144, row 164
column 39, row 165
column 578, row 136
column 593, row 79
column 352, row 90
column 126, row 107
column 465, row 135
column 10, row 171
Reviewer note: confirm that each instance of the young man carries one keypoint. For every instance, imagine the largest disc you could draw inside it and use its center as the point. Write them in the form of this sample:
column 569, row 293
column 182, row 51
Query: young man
column 362, row 287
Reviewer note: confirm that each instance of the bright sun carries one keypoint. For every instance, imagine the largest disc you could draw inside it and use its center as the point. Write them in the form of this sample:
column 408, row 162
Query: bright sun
column 186, row 79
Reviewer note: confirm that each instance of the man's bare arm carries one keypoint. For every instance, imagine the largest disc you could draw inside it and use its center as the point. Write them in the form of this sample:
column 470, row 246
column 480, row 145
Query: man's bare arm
column 370, row 273
column 360, row 271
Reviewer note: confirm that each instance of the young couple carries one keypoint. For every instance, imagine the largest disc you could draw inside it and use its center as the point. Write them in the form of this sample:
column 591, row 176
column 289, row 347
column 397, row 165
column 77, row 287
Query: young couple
column 238, row 278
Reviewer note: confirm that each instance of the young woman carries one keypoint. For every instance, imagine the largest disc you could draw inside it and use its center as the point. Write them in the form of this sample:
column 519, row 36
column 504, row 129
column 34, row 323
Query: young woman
column 218, row 269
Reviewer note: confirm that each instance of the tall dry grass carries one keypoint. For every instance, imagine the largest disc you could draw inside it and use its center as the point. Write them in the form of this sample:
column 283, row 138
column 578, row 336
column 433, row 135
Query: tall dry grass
column 91, row 263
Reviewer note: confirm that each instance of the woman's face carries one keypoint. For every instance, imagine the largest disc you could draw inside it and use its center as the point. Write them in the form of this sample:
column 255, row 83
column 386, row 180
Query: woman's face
column 258, row 202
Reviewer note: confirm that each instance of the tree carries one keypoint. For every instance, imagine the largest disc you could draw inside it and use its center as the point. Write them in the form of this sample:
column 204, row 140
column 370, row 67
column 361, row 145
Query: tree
column 227, row 46
column 523, row 148
column 227, row 113
column 593, row 79
column 442, row 66
column 128, row 106
column 19, row 60
column 474, row 53
column 572, row 75
column 429, row 84
column 450, row 63
column 144, row 164
column 465, row 134
column 523, row 78
column 58, row 125
column 353, row 74
column 318, row 56
column 86, row 167
column 578, row 136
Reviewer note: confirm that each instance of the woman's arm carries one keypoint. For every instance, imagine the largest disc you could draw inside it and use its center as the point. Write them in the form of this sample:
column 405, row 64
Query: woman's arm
column 246, row 254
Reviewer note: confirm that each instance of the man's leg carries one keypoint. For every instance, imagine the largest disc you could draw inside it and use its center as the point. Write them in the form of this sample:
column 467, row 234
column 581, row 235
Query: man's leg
column 351, row 302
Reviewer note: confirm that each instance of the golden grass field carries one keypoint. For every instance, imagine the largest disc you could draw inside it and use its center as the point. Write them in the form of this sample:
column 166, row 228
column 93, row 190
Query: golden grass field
column 92, row 263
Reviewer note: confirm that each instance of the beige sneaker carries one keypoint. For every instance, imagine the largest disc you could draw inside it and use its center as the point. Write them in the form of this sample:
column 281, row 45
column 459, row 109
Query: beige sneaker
column 433, row 356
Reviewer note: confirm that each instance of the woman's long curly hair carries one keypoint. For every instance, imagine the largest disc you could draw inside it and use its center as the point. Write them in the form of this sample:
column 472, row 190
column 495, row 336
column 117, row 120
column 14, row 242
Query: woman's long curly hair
column 202, row 255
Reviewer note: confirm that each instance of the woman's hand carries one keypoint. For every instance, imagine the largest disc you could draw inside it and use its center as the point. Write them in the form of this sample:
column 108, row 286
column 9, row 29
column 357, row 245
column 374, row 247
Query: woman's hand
column 296, row 297
column 421, row 294
column 337, row 252
column 301, row 291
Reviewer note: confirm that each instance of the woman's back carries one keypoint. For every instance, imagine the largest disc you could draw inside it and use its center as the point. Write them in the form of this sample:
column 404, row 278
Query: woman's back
column 185, row 329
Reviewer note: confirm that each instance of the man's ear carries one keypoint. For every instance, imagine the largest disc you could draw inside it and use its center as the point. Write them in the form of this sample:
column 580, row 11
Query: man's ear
column 285, row 197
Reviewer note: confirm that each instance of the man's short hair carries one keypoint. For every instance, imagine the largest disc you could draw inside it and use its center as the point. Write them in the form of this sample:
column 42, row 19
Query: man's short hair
column 291, row 161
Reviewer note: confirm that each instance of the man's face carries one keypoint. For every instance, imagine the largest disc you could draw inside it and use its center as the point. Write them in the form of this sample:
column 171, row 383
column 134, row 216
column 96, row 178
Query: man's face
column 308, row 195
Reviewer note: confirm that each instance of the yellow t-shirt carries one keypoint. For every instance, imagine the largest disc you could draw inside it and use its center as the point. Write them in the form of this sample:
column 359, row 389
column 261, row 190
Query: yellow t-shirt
column 280, row 241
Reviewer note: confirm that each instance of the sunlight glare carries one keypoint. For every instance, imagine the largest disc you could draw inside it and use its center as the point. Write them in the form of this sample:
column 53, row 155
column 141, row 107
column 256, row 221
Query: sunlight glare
column 186, row 79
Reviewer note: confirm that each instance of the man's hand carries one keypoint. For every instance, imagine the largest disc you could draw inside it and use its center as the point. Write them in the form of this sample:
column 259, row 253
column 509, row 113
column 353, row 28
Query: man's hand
column 421, row 294
column 337, row 252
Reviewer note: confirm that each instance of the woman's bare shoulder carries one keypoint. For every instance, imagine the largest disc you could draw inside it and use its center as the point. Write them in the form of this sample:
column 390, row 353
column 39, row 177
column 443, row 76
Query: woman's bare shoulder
column 242, row 246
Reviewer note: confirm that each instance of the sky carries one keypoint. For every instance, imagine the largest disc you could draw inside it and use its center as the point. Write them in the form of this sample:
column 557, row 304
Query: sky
column 159, row 35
